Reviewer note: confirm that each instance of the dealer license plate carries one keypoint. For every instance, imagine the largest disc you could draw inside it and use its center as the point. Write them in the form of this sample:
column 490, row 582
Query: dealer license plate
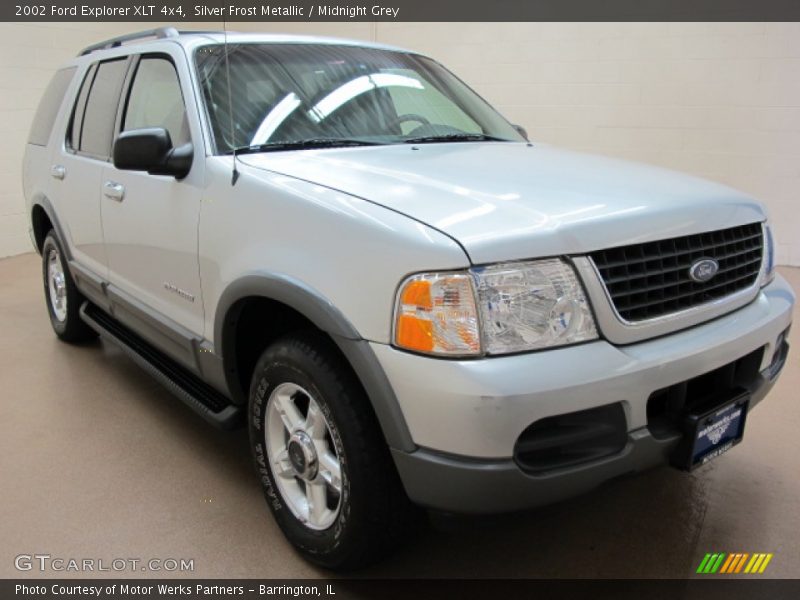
column 715, row 432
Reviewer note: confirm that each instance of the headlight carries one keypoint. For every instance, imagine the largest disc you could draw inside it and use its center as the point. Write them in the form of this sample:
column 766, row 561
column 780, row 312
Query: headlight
column 497, row 309
column 538, row 304
column 769, row 256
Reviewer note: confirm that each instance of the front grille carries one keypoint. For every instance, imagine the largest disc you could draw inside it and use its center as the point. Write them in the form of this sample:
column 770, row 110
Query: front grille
column 652, row 279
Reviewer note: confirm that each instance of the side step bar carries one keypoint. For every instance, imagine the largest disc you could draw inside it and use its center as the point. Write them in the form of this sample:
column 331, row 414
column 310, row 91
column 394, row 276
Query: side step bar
column 210, row 404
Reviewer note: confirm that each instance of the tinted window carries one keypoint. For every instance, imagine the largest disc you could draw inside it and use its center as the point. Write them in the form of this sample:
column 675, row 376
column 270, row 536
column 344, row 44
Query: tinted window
column 97, row 130
column 156, row 101
column 284, row 93
column 428, row 102
column 48, row 107
column 74, row 136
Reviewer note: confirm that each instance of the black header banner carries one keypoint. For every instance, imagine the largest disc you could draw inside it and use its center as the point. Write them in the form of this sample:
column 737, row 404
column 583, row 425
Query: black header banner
column 178, row 11
column 399, row 589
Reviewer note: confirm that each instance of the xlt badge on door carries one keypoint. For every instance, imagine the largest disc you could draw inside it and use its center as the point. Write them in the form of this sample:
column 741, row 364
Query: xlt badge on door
column 182, row 293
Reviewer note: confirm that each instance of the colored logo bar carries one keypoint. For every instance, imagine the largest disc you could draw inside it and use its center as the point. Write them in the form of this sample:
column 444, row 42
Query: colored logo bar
column 733, row 563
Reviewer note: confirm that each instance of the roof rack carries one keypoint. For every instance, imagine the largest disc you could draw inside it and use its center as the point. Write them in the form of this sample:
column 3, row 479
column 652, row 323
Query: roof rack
column 160, row 33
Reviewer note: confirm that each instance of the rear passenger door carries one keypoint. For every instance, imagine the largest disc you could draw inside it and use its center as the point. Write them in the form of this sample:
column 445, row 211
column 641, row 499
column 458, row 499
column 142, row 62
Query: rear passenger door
column 78, row 163
column 150, row 221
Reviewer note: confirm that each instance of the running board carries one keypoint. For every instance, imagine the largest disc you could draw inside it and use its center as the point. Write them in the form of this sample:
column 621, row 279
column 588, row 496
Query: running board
column 209, row 403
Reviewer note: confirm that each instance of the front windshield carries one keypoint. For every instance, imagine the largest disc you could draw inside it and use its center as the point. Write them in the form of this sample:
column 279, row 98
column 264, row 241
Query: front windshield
column 290, row 93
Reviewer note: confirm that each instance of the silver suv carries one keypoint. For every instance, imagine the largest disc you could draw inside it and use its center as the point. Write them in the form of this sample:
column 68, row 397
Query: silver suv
column 408, row 303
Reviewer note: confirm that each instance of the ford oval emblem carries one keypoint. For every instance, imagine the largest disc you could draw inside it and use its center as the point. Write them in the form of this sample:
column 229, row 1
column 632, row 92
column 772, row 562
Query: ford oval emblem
column 703, row 270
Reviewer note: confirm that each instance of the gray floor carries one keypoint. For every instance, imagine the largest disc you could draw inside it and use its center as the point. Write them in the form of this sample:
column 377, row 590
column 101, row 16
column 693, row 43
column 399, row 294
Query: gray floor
column 97, row 461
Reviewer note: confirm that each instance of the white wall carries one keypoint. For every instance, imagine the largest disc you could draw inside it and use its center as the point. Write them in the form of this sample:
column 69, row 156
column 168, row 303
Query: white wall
column 715, row 99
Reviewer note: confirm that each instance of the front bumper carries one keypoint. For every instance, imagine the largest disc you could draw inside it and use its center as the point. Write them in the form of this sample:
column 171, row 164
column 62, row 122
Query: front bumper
column 466, row 415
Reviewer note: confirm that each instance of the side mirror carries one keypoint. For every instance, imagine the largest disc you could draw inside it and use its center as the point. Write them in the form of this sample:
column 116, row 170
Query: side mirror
column 521, row 130
column 151, row 150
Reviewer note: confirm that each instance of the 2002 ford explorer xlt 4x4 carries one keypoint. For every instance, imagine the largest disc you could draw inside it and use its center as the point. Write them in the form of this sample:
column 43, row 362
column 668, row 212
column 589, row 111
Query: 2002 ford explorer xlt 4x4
column 408, row 303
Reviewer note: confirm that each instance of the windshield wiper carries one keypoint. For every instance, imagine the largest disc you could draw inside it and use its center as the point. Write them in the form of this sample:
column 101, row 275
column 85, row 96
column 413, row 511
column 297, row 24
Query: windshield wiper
column 454, row 137
column 306, row 144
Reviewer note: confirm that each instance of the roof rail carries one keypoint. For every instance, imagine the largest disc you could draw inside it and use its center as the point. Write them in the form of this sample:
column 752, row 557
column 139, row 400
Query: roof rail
column 160, row 33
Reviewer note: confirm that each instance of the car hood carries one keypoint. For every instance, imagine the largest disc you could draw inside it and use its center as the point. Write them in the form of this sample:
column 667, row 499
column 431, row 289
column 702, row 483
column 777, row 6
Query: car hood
column 508, row 201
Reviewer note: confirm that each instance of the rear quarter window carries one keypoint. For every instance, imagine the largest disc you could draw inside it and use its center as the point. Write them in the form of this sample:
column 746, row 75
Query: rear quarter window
column 48, row 107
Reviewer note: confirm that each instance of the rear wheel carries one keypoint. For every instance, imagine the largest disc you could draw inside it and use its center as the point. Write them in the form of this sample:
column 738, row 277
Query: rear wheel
column 325, row 469
column 61, row 295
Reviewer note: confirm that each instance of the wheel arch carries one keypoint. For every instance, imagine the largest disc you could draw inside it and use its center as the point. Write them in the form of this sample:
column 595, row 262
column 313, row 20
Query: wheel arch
column 282, row 304
column 43, row 217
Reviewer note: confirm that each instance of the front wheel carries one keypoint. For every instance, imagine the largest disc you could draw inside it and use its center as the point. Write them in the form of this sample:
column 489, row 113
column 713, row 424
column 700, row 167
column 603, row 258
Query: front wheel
column 61, row 295
column 325, row 469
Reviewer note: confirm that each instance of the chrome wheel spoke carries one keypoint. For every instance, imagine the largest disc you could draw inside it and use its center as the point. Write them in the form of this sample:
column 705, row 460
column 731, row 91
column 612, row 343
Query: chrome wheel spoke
column 283, row 468
column 330, row 470
column 292, row 419
column 317, row 500
column 315, row 422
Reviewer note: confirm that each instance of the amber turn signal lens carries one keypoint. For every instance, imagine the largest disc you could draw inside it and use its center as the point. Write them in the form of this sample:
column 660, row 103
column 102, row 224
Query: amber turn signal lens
column 414, row 333
column 436, row 314
column 417, row 293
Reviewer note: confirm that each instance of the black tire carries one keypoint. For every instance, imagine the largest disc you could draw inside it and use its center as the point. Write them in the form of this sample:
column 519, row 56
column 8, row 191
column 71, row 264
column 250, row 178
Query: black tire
column 375, row 513
column 71, row 328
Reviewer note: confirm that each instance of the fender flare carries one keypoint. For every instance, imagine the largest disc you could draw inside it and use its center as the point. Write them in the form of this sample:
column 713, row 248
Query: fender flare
column 44, row 203
column 326, row 317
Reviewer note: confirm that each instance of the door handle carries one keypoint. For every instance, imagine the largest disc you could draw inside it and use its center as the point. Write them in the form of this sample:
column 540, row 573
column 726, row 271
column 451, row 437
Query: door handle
column 58, row 171
column 113, row 190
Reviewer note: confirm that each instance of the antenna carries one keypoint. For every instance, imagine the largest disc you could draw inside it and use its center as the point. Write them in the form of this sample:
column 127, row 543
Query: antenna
column 235, row 172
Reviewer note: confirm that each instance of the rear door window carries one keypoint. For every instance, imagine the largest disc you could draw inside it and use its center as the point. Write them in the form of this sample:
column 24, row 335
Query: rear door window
column 97, row 125
column 46, row 114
